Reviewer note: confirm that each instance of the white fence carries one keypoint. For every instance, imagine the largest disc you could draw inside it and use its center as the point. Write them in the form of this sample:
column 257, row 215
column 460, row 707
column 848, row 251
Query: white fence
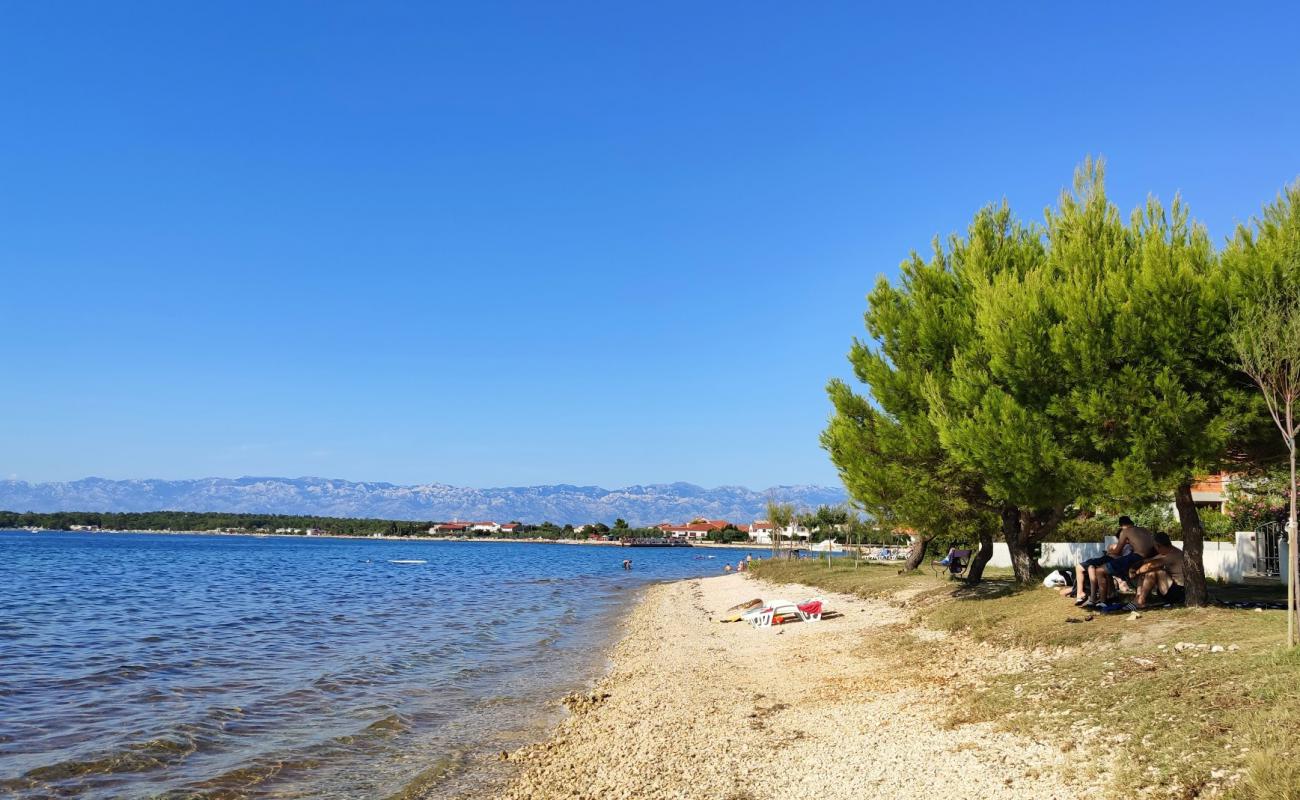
column 1224, row 561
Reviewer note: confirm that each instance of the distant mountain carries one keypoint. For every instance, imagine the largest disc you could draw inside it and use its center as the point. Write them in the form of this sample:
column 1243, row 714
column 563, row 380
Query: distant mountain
column 639, row 505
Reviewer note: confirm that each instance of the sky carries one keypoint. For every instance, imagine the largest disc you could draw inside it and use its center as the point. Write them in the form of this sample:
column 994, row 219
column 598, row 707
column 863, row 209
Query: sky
column 492, row 244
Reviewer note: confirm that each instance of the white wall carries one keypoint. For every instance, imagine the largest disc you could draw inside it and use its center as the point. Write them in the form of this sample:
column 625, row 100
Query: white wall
column 1067, row 554
column 1001, row 555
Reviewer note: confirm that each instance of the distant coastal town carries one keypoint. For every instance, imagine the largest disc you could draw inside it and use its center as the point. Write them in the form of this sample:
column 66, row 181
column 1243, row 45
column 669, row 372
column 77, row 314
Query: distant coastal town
column 697, row 529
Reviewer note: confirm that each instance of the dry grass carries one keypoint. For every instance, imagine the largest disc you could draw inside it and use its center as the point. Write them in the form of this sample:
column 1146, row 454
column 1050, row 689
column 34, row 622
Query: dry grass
column 869, row 580
column 1178, row 724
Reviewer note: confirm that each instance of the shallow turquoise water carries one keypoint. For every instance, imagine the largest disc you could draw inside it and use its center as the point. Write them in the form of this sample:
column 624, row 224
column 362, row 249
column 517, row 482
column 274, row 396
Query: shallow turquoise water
column 141, row 665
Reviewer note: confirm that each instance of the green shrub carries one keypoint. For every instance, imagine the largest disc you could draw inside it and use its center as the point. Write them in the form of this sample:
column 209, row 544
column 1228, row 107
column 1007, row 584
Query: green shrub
column 1217, row 526
column 1080, row 529
column 1156, row 517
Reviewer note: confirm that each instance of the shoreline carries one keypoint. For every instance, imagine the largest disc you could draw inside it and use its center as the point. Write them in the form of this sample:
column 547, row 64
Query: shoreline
column 388, row 538
column 692, row 708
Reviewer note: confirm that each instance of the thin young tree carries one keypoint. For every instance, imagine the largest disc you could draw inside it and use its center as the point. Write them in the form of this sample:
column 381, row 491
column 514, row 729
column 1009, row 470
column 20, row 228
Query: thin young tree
column 781, row 516
column 1266, row 338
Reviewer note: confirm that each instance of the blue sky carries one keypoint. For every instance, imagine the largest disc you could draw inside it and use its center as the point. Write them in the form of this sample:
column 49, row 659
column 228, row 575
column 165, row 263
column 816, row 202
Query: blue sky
column 497, row 244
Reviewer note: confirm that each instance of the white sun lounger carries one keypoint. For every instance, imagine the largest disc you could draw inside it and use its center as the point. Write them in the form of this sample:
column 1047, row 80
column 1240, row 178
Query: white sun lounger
column 762, row 617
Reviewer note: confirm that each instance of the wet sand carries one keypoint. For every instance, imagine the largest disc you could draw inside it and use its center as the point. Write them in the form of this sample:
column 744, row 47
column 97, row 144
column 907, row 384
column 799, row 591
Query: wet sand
column 693, row 708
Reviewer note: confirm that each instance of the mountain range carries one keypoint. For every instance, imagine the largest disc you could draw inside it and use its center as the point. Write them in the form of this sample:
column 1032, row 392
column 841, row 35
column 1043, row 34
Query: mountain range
column 561, row 503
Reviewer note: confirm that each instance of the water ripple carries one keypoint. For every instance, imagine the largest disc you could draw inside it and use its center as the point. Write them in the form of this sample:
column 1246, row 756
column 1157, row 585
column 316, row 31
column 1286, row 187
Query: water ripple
column 207, row 666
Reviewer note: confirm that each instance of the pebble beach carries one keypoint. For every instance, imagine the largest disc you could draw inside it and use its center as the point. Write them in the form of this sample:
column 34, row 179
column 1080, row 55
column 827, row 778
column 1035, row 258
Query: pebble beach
column 695, row 708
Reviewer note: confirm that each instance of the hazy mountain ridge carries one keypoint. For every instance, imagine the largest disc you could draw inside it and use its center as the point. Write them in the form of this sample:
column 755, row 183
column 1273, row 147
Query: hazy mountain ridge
column 561, row 503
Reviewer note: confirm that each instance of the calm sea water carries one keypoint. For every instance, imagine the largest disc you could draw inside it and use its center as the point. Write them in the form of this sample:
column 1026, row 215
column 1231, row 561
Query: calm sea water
column 139, row 665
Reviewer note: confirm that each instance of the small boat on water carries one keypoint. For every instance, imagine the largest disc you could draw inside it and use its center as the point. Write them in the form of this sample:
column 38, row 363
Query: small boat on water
column 407, row 561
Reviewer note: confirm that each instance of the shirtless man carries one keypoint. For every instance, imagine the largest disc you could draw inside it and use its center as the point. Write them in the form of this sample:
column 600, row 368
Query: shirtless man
column 1133, row 546
column 1162, row 575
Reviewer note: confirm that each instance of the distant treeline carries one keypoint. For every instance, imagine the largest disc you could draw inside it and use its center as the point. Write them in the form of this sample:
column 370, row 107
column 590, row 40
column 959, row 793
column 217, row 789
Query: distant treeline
column 269, row 523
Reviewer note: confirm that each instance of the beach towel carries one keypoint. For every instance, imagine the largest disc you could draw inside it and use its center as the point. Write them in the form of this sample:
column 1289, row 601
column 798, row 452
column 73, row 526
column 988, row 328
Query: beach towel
column 811, row 607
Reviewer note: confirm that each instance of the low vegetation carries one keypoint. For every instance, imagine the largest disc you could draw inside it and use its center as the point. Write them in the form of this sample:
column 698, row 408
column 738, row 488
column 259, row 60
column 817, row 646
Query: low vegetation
column 269, row 523
column 1185, row 702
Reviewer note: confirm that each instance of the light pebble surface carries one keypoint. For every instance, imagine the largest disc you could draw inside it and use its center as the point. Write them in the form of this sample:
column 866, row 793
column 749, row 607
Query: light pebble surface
column 693, row 708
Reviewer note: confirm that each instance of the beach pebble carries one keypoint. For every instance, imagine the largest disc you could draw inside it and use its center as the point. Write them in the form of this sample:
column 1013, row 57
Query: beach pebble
column 693, row 711
column 582, row 702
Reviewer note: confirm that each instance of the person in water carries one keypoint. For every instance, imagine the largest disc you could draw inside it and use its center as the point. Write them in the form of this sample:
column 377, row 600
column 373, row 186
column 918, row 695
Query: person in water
column 627, row 563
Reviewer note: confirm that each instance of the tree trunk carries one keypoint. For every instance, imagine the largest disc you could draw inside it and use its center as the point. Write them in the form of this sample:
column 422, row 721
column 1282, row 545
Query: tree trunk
column 981, row 557
column 1015, row 529
column 1193, row 545
column 1293, row 552
column 920, row 544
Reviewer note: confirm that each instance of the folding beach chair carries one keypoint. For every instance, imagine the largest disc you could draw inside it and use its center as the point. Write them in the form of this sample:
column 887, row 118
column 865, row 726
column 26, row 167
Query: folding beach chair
column 808, row 611
column 954, row 565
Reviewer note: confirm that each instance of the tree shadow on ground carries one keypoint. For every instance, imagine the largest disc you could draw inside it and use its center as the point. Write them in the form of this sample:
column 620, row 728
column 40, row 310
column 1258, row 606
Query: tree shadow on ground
column 985, row 589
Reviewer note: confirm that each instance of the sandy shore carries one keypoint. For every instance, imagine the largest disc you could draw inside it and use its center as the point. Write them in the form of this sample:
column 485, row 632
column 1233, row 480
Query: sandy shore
column 697, row 709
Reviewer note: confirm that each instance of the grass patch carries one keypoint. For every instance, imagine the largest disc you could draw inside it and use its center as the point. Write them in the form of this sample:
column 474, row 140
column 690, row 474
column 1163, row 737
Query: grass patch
column 875, row 581
column 1179, row 724
column 1182, row 721
column 1022, row 617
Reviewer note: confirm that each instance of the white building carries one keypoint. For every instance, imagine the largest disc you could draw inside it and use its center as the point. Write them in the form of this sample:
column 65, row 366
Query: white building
column 760, row 532
column 485, row 527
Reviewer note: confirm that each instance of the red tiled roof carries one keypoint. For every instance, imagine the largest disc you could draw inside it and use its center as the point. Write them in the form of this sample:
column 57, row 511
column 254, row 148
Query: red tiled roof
column 1210, row 483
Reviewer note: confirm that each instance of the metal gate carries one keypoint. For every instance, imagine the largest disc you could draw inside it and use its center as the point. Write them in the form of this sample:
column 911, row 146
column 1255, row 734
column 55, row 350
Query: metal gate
column 1267, row 562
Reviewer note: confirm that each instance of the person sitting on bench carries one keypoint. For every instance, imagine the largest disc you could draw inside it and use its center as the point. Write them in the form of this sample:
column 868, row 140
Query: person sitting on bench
column 1134, row 545
column 1161, row 577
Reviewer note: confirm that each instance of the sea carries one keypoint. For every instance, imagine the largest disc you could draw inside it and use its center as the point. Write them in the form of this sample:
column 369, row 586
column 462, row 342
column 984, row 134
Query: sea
column 204, row 666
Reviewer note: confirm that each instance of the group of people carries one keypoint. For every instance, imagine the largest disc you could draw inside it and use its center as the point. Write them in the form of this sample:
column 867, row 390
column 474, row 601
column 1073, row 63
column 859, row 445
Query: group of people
column 1141, row 562
column 741, row 565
